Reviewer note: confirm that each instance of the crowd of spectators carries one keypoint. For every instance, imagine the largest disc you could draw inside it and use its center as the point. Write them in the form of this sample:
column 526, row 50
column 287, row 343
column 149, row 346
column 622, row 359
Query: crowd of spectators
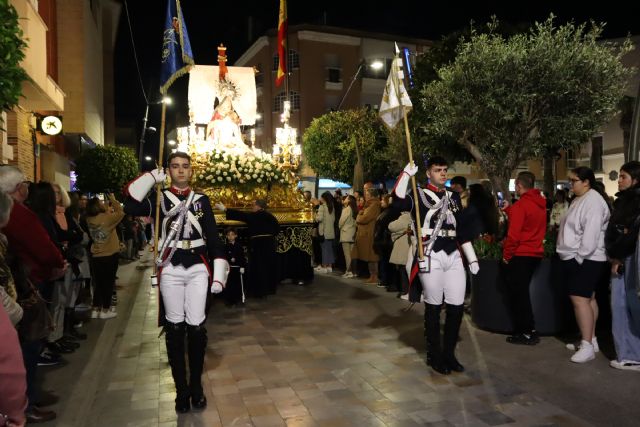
column 59, row 255
column 597, row 242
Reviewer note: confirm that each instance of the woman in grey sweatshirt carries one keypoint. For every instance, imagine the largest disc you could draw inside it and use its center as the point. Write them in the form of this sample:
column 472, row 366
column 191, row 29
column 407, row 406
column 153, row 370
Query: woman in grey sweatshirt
column 580, row 247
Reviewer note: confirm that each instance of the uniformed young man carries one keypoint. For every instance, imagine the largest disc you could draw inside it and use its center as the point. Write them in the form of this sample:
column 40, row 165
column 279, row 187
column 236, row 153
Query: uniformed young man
column 442, row 273
column 189, row 245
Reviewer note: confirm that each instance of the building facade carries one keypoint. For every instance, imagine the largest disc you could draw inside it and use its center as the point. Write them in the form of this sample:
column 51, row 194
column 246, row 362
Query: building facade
column 69, row 61
column 330, row 58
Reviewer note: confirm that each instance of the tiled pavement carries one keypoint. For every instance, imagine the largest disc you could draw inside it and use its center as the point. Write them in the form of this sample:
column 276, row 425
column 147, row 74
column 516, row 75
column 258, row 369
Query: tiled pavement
column 338, row 353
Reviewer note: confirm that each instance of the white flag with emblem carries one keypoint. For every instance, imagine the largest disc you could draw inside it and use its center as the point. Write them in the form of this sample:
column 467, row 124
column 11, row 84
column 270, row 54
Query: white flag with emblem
column 395, row 96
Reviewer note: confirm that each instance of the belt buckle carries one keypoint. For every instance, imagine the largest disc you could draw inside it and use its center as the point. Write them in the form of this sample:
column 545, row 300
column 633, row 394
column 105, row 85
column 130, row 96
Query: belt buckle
column 186, row 244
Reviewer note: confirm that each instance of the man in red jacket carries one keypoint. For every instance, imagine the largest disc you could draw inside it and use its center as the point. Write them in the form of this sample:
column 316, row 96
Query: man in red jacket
column 521, row 254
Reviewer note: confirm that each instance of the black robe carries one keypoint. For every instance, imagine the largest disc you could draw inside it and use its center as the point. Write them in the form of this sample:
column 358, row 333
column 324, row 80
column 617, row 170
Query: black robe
column 262, row 275
column 235, row 255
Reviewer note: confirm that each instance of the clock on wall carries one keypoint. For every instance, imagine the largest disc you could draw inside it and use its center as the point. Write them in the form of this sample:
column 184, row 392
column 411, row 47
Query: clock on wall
column 51, row 125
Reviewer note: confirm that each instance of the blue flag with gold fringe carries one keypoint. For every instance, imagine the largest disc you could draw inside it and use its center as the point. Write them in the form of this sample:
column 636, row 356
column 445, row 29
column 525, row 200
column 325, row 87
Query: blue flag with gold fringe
column 177, row 58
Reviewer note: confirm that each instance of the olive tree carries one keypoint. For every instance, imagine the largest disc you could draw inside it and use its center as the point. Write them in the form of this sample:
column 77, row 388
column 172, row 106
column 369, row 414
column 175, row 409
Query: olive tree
column 506, row 100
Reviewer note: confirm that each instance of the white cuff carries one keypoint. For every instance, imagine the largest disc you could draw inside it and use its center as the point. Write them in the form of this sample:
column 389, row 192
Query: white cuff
column 220, row 271
column 469, row 253
column 401, row 185
column 140, row 187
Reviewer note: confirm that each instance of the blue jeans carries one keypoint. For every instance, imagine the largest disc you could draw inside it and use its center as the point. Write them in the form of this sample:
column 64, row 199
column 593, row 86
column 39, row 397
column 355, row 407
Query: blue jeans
column 626, row 335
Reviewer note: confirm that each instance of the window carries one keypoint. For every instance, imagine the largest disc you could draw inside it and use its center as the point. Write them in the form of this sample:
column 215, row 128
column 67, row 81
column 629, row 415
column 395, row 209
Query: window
column 334, row 75
column 294, row 60
column 278, row 101
column 596, row 154
column 572, row 160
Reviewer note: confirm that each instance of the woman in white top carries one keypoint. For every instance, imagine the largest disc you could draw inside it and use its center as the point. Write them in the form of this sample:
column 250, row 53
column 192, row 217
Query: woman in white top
column 347, row 225
column 326, row 218
column 581, row 249
column 560, row 207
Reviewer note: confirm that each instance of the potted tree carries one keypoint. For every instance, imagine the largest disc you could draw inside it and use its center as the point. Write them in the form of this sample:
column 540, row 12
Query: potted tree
column 490, row 308
column 106, row 169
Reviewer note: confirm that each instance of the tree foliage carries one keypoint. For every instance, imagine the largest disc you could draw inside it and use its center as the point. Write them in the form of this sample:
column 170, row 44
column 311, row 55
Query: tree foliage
column 506, row 100
column 441, row 54
column 12, row 48
column 106, row 169
column 329, row 145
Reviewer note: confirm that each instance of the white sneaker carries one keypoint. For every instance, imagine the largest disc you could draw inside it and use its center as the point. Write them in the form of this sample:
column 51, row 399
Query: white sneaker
column 404, row 297
column 107, row 314
column 627, row 365
column 584, row 354
column 320, row 269
column 328, row 270
column 575, row 346
column 347, row 275
column 95, row 314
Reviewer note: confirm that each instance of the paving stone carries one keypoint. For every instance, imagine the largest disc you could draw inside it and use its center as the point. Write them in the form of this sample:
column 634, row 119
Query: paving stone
column 332, row 354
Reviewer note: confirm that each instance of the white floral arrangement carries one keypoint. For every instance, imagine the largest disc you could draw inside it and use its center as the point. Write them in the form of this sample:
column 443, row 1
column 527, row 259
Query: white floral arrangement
column 224, row 169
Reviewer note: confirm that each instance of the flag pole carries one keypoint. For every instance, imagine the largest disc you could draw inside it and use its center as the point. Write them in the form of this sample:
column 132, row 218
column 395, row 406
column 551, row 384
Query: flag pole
column 414, row 187
column 156, row 229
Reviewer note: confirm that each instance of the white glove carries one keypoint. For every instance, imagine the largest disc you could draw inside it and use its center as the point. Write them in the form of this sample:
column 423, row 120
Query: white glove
column 158, row 175
column 241, row 270
column 403, row 180
column 472, row 259
column 474, row 268
column 216, row 288
column 219, row 206
column 411, row 169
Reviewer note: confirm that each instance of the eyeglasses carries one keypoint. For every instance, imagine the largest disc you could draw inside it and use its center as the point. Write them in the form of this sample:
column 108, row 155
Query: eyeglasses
column 574, row 180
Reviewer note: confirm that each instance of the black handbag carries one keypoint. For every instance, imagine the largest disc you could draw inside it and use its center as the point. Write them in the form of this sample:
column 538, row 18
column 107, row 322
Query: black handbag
column 36, row 319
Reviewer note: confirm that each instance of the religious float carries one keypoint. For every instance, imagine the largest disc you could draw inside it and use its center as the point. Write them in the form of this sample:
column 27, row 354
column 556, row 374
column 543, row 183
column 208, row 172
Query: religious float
column 233, row 171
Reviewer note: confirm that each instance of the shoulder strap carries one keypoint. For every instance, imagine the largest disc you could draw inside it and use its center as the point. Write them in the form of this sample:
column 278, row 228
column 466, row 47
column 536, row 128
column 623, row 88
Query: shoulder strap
column 172, row 197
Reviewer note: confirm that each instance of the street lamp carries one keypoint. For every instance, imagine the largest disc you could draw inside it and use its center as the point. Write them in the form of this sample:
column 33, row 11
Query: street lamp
column 172, row 142
column 375, row 65
column 165, row 100
column 148, row 158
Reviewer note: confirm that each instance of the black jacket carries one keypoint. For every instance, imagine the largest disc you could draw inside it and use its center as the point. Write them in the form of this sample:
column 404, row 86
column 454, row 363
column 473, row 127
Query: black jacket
column 624, row 224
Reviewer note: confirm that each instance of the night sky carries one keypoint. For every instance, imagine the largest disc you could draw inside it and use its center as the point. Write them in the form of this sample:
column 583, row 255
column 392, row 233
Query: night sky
column 212, row 22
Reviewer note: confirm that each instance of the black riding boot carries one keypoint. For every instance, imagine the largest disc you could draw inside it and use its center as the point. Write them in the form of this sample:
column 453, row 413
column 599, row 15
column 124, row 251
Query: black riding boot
column 432, row 333
column 174, row 334
column 451, row 331
column 197, row 342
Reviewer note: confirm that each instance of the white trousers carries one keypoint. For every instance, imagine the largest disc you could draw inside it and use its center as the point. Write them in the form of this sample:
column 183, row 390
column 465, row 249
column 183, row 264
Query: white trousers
column 184, row 293
column 446, row 278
